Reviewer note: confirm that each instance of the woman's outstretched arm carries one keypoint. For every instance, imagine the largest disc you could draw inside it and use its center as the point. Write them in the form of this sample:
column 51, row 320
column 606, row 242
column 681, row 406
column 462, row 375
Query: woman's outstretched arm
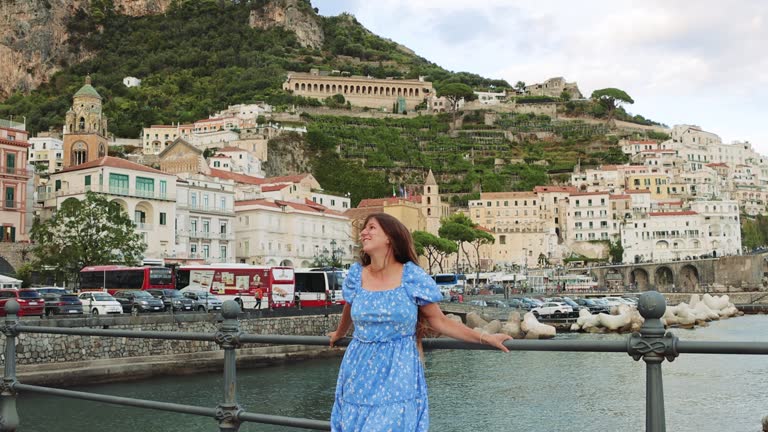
column 344, row 324
column 443, row 325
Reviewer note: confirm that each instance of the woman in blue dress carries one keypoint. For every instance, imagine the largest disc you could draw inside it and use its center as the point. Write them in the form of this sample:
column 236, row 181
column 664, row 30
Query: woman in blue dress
column 391, row 302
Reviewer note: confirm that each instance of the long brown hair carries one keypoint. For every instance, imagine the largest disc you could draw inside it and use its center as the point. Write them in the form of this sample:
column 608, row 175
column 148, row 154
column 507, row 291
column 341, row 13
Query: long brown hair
column 403, row 250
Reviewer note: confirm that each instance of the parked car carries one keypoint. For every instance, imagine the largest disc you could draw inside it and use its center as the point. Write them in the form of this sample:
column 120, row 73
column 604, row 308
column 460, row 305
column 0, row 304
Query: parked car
column 204, row 301
column 138, row 301
column 552, row 309
column 531, row 303
column 613, row 301
column 30, row 301
column 60, row 301
column 575, row 306
column 518, row 304
column 173, row 299
column 99, row 303
column 480, row 303
column 593, row 306
column 496, row 303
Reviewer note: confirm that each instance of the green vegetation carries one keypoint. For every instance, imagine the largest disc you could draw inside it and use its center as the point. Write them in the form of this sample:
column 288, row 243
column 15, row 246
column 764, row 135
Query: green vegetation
column 754, row 231
column 94, row 231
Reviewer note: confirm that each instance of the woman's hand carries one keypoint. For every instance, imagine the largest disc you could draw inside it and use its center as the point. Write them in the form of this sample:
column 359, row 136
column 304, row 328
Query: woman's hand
column 495, row 340
column 334, row 336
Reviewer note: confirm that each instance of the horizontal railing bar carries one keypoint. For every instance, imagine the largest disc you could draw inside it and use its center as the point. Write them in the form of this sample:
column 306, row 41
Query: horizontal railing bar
column 707, row 347
column 285, row 421
column 119, row 333
column 118, row 400
column 174, row 407
column 694, row 347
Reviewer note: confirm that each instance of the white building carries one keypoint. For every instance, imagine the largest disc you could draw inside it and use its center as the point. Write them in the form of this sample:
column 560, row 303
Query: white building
column 589, row 217
column 708, row 228
column 146, row 194
column 47, row 153
column 490, row 98
column 288, row 233
column 130, row 81
column 205, row 220
column 237, row 160
column 245, row 113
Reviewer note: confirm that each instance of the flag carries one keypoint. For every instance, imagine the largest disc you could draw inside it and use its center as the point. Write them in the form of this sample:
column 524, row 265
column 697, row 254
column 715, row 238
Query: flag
column 394, row 194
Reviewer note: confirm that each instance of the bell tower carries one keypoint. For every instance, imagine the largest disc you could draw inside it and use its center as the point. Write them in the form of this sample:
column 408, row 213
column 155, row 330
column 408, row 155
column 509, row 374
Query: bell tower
column 85, row 128
column 430, row 202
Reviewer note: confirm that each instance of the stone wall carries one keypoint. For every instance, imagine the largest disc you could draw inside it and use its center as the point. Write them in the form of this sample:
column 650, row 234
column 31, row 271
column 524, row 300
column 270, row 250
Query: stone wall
column 34, row 348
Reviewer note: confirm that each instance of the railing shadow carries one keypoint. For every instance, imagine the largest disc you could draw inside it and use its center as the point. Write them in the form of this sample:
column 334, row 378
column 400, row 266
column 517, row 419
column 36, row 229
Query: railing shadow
column 653, row 344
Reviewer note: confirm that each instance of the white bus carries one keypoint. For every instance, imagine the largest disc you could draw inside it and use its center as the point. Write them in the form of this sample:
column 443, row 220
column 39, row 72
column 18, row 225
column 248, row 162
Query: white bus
column 317, row 287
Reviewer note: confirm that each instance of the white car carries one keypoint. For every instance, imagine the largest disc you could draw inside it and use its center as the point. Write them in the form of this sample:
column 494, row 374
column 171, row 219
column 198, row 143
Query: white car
column 554, row 309
column 99, row 303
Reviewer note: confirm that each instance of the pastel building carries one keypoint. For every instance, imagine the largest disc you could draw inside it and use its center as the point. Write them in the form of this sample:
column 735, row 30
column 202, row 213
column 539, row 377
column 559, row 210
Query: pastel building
column 46, row 152
column 14, row 178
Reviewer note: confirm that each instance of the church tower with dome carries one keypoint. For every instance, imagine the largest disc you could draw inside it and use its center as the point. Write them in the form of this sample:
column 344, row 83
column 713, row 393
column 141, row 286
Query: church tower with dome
column 85, row 128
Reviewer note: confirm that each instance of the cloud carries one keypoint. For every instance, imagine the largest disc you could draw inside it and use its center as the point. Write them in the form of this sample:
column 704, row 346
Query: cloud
column 701, row 62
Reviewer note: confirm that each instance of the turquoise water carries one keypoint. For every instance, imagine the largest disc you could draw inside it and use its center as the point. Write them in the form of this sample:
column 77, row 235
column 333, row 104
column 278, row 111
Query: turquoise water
column 469, row 390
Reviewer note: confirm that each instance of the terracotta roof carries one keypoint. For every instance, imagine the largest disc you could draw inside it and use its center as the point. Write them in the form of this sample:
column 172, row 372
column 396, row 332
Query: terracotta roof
column 482, row 228
column 637, row 191
column 213, row 119
column 14, row 142
column 718, row 164
column 495, row 195
column 540, row 189
column 238, row 178
column 674, row 213
column 221, row 156
column 274, row 188
column 286, row 179
column 294, row 205
column 619, row 197
column 109, row 161
column 658, row 151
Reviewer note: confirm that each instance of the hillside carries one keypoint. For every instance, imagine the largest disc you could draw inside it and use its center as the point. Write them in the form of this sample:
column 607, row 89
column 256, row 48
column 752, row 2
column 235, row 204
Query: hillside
column 197, row 57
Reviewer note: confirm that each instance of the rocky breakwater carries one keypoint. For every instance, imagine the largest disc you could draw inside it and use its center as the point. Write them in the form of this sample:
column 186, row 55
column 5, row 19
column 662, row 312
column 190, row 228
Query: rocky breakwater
column 526, row 328
column 624, row 318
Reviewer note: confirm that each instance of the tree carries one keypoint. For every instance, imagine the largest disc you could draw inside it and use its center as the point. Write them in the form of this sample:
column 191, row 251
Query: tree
column 482, row 237
column 433, row 247
column 520, row 86
column 616, row 251
column 94, row 231
column 454, row 93
column 610, row 99
column 460, row 229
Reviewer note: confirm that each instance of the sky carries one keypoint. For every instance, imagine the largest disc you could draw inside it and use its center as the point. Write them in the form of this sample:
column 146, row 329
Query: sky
column 699, row 62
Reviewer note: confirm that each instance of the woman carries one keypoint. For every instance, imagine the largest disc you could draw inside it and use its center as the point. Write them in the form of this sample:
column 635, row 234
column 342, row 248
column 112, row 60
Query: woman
column 391, row 301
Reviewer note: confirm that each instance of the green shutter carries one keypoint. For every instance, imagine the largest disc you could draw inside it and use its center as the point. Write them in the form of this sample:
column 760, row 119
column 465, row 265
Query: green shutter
column 58, row 185
column 9, row 197
column 10, row 161
column 87, row 180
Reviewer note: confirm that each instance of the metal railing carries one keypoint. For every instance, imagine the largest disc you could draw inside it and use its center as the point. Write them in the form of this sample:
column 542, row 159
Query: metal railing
column 653, row 344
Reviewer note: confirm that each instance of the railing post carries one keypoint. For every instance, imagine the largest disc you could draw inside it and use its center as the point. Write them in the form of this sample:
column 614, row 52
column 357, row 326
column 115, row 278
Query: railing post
column 228, row 338
column 653, row 344
column 9, row 417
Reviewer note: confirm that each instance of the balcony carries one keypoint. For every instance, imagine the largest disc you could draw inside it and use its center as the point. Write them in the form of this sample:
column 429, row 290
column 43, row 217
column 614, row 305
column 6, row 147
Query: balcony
column 210, row 235
column 206, row 209
column 81, row 190
column 14, row 171
column 12, row 205
column 141, row 226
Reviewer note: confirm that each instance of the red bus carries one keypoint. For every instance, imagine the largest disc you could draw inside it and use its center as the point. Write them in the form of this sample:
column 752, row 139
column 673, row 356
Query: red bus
column 240, row 282
column 113, row 278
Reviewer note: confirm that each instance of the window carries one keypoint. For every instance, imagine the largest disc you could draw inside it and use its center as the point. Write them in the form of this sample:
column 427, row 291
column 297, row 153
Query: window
column 223, row 252
column 206, row 251
column 223, row 228
column 163, row 188
column 206, row 226
column 118, row 183
column 193, row 248
column 193, row 200
column 88, row 180
column 145, row 186
column 205, row 200
column 223, row 203
column 193, row 225
column 502, row 239
column 10, row 194
column 58, row 185
column 163, row 218
column 10, row 161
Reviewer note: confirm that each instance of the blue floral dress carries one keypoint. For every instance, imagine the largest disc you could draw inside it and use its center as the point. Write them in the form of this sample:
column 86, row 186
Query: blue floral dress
column 381, row 384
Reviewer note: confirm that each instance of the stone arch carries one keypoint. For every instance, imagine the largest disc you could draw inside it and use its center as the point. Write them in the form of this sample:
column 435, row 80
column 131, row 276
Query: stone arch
column 688, row 279
column 70, row 200
column 322, row 88
column 678, row 244
column 346, row 89
column 79, row 153
column 143, row 213
column 664, row 278
column 661, row 244
column 81, row 123
column 303, row 86
column 6, row 268
column 695, row 244
column 122, row 204
column 314, row 87
column 296, row 87
column 639, row 279
column 375, row 91
column 416, row 92
column 286, row 263
column 271, row 263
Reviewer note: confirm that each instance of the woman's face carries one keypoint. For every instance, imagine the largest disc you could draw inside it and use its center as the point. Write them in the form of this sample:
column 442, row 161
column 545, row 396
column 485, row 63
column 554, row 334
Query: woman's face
column 373, row 238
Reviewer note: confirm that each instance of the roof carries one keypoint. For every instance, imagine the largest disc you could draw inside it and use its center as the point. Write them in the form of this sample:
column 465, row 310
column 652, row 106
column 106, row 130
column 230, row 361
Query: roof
column 381, row 202
column 718, row 164
column 430, row 179
column 87, row 90
column 637, row 191
column 15, row 142
column 540, row 189
column 294, row 205
column 214, row 119
column 619, row 197
column 590, row 193
column 238, row 178
column 274, row 188
column 502, row 195
column 110, row 161
column 674, row 213
column 181, row 142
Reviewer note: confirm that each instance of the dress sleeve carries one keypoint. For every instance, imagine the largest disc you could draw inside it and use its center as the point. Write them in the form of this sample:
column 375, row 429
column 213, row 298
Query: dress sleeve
column 420, row 286
column 352, row 283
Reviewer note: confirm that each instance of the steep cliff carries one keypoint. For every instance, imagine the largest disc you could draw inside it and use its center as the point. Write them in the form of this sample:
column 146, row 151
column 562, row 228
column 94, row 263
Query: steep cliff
column 34, row 42
column 293, row 15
